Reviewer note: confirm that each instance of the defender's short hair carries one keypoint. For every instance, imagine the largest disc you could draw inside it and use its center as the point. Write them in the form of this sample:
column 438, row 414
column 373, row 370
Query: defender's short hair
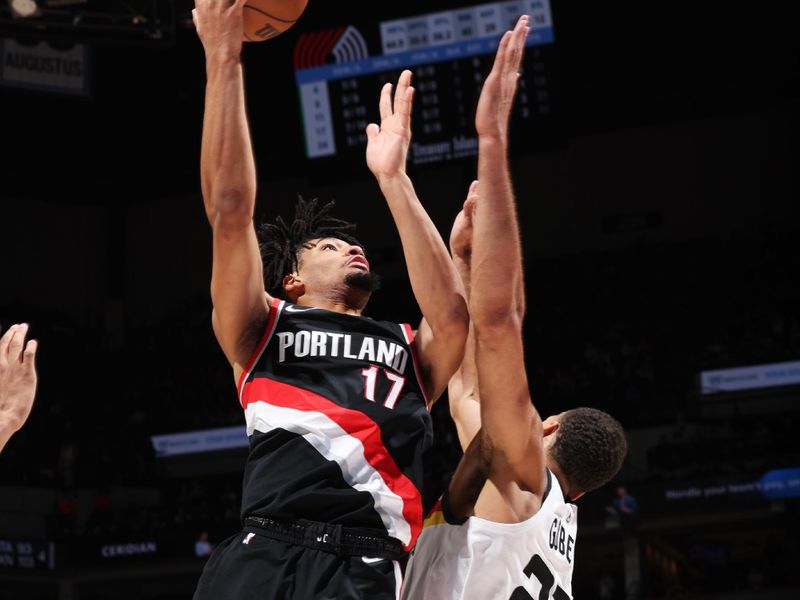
column 280, row 243
column 590, row 447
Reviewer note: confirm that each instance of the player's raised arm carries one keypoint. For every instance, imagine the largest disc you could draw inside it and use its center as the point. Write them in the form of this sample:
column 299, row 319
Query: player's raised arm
column 462, row 390
column 437, row 287
column 17, row 380
column 228, row 179
column 511, row 425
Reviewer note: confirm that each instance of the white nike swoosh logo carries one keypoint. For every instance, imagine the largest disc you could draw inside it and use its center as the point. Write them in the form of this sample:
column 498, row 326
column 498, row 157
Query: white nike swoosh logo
column 294, row 309
column 370, row 560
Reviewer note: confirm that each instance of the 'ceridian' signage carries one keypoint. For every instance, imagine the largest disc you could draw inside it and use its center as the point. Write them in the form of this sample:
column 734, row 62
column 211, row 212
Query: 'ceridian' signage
column 131, row 549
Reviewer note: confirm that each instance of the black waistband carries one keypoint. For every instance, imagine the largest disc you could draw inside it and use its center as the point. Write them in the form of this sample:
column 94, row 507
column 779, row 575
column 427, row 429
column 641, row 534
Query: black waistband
column 348, row 541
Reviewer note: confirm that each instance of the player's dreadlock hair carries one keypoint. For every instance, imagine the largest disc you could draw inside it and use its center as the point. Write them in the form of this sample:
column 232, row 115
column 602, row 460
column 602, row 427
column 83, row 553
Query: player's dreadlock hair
column 280, row 242
column 590, row 446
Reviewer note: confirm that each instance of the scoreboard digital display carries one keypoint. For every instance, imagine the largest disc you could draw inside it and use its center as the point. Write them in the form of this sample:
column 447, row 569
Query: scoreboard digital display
column 339, row 73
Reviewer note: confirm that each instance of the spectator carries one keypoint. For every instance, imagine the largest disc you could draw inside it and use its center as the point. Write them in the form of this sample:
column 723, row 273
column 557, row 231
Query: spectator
column 624, row 503
column 202, row 547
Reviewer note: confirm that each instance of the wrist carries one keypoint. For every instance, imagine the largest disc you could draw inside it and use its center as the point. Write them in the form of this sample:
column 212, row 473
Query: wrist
column 222, row 59
column 7, row 426
column 392, row 180
column 494, row 141
column 461, row 259
column 463, row 269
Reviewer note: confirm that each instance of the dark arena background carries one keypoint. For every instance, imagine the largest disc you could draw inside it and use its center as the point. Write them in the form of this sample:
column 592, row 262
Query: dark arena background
column 655, row 160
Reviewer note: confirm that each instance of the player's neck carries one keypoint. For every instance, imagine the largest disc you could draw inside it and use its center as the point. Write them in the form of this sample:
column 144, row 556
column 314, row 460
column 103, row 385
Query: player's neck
column 348, row 304
column 562, row 481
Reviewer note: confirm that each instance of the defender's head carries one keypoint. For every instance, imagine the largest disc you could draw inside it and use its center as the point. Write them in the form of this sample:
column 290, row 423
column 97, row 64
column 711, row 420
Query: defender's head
column 316, row 255
column 588, row 447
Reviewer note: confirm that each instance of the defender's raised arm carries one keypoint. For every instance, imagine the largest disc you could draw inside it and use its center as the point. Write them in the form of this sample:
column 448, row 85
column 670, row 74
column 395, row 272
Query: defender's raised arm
column 462, row 390
column 511, row 425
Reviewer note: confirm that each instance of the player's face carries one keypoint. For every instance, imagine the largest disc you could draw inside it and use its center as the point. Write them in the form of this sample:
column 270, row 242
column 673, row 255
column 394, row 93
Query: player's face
column 329, row 263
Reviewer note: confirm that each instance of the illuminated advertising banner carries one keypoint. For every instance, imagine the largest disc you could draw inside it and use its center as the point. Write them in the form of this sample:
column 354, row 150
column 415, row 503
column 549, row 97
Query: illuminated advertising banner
column 750, row 378
column 206, row 440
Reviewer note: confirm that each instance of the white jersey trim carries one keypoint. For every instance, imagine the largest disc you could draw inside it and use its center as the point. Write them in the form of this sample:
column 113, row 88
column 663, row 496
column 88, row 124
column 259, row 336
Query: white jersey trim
column 335, row 444
column 410, row 338
column 272, row 325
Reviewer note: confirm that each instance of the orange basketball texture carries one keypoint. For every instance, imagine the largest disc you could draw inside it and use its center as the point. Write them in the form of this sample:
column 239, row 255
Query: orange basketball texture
column 264, row 19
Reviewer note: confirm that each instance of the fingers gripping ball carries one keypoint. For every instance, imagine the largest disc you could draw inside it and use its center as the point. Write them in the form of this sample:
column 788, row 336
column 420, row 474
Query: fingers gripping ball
column 264, row 19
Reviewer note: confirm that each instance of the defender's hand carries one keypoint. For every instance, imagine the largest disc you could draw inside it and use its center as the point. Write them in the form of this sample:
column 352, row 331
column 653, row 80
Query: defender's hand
column 220, row 25
column 387, row 143
column 497, row 95
column 461, row 234
column 17, row 377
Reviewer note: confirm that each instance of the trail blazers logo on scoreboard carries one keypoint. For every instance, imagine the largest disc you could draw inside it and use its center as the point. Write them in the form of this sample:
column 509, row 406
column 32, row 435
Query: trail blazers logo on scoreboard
column 343, row 44
column 339, row 72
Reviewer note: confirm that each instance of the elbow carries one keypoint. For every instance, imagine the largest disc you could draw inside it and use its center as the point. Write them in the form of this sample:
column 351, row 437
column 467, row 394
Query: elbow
column 452, row 321
column 497, row 306
column 492, row 330
column 230, row 210
column 502, row 318
column 455, row 325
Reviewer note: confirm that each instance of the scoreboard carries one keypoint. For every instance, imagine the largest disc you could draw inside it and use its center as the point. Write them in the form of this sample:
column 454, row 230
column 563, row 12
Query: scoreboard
column 339, row 73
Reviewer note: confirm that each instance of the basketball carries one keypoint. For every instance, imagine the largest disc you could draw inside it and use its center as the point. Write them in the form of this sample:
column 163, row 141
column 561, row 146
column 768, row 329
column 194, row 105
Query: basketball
column 264, row 19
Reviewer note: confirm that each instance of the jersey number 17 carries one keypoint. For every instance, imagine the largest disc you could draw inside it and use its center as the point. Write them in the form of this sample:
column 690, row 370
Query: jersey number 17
column 370, row 382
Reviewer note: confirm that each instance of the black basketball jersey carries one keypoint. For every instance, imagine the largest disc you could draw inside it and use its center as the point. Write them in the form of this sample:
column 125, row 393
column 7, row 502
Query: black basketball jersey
column 338, row 422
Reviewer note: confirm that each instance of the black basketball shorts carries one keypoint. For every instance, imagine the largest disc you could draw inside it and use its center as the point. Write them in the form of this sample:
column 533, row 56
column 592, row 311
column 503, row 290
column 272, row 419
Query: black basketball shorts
column 251, row 566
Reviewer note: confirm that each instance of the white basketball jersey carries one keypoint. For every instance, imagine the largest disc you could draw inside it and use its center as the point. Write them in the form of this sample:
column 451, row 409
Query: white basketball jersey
column 483, row 560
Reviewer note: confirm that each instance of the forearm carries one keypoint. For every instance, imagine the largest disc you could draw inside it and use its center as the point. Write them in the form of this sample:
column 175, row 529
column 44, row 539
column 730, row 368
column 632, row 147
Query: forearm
column 463, row 268
column 469, row 477
column 227, row 167
column 463, row 386
column 464, row 395
column 496, row 278
column 434, row 279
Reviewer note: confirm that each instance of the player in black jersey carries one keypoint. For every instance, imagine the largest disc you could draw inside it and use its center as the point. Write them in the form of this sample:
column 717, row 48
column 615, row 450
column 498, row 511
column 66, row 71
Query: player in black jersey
column 336, row 405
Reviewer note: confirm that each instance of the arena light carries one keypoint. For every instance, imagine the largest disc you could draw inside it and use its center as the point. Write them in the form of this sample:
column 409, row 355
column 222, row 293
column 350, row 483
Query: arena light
column 23, row 9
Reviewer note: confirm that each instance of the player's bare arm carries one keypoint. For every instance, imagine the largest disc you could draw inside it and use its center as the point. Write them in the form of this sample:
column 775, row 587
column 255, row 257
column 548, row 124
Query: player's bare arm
column 228, row 180
column 17, row 380
column 462, row 390
column 511, row 425
column 434, row 280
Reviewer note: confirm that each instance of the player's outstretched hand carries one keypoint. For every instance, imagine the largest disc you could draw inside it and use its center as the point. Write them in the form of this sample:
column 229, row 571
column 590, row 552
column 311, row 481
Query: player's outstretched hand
column 461, row 234
column 387, row 143
column 17, row 380
column 500, row 87
column 220, row 25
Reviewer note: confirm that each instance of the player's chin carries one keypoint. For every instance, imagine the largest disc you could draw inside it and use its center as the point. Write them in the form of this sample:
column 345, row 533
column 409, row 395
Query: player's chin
column 368, row 281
